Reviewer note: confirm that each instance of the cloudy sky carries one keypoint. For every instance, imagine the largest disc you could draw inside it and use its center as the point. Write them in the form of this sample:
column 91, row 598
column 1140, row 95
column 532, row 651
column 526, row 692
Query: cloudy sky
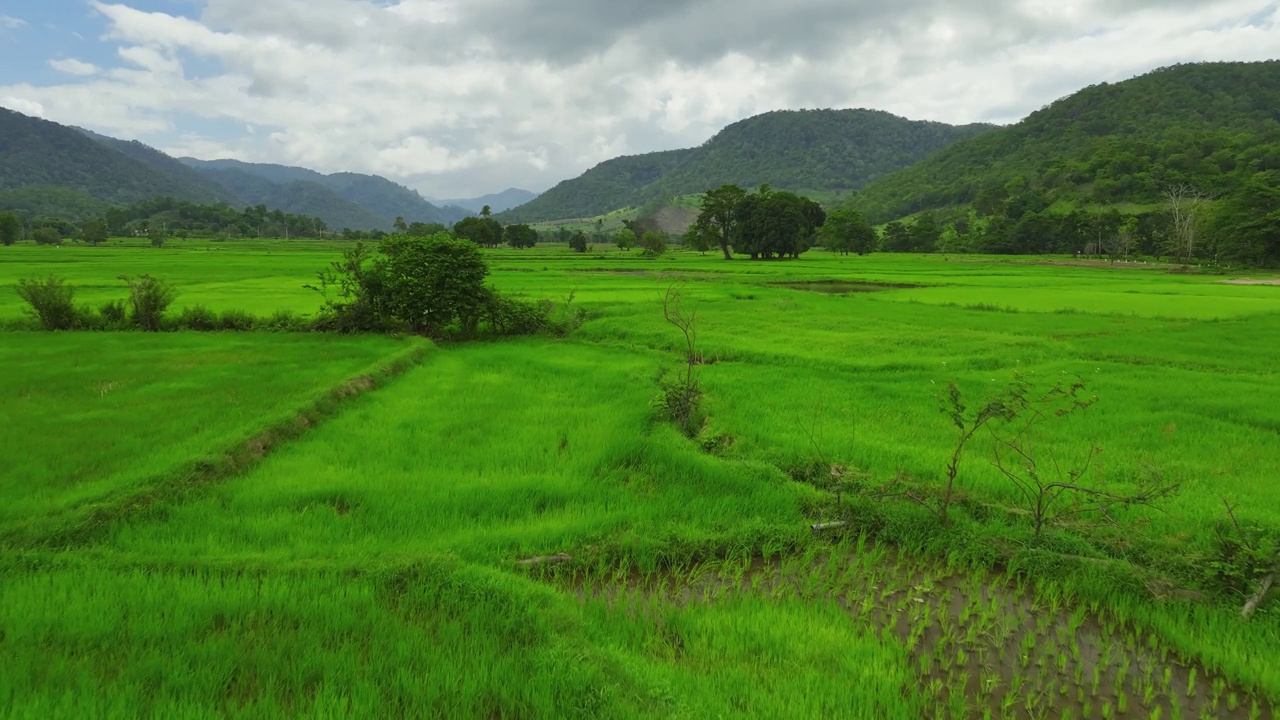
column 464, row 97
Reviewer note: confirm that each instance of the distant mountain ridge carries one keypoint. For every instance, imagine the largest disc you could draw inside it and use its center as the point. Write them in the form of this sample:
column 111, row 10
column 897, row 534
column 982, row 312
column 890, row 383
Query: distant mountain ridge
column 803, row 150
column 370, row 201
column 497, row 202
column 53, row 170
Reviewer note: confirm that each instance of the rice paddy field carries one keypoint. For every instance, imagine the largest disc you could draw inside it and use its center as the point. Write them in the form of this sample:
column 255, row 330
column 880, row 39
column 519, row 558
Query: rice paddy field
column 262, row 525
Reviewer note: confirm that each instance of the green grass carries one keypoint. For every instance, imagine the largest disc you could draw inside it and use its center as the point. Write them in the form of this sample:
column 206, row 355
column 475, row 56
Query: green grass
column 368, row 567
column 260, row 276
column 87, row 416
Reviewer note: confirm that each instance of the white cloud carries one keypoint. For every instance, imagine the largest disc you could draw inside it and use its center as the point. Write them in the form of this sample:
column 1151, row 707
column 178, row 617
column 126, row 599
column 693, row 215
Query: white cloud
column 461, row 97
column 71, row 66
column 22, row 105
column 11, row 23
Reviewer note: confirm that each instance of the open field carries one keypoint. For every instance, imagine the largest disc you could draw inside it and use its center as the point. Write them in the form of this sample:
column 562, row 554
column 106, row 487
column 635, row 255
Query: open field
column 367, row 566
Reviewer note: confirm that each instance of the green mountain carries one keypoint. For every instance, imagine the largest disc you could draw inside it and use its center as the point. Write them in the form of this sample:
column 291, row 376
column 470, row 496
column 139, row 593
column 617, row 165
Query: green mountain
column 802, row 150
column 1211, row 125
column 51, row 170
column 37, row 155
column 184, row 182
column 610, row 185
column 381, row 200
column 296, row 197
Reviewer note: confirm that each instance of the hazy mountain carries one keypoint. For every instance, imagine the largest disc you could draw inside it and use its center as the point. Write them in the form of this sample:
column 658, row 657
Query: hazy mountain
column 497, row 202
column 382, row 199
column 806, row 150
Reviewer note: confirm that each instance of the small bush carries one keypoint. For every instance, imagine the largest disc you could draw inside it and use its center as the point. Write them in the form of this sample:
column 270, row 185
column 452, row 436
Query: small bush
column 149, row 298
column 680, row 401
column 114, row 315
column 285, row 321
column 51, row 302
column 509, row 316
column 237, row 320
column 198, row 318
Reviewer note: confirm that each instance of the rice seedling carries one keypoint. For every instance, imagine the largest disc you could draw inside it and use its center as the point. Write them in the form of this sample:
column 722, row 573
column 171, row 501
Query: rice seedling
column 369, row 568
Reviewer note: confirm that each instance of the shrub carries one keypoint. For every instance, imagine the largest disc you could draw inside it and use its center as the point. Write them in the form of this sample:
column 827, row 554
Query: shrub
column 565, row 317
column 149, row 298
column 51, row 302
column 424, row 284
column 285, row 321
column 198, row 318
column 680, row 398
column 680, row 401
column 237, row 320
column 509, row 316
column 113, row 315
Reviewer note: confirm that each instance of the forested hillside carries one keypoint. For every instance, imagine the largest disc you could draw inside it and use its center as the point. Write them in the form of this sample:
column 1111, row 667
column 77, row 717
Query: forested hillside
column 183, row 181
column 810, row 150
column 379, row 200
column 1211, row 126
column 814, row 150
column 37, row 155
column 384, row 198
column 612, row 184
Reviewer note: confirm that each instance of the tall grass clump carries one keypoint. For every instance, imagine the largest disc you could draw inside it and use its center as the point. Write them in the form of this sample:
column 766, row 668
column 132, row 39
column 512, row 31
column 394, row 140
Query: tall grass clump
column 51, row 301
column 149, row 298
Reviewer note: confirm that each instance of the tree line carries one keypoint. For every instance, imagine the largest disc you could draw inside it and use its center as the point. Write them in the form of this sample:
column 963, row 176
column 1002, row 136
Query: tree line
column 1187, row 225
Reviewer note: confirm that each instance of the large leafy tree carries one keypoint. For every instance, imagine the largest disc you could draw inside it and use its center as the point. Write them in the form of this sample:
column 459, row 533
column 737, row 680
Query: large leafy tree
column 719, row 216
column 846, row 231
column 479, row 230
column 520, row 236
column 1246, row 226
column 94, row 232
column 10, row 228
column 897, row 237
column 772, row 224
column 625, row 239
